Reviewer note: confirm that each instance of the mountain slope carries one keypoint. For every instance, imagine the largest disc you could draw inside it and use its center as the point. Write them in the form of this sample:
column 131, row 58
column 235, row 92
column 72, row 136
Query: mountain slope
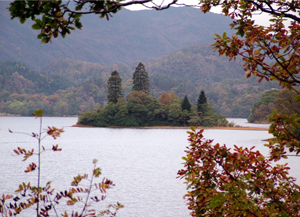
column 128, row 36
column 198, row 63
column 17, row 78
column 184, row 71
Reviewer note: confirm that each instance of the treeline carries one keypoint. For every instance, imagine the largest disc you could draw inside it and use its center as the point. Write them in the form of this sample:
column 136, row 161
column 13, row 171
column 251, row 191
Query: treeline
column 283, row 101
column 235, row 97
column 71, row 101
column 23, row 91
column 184, row 72
column 144, row 110
column 68, row 87
column 141, row 109
column 197, row 67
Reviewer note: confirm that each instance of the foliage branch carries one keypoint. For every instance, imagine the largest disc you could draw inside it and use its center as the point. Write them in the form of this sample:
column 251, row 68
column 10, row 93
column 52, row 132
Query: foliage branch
column 239, row 182
column 242, row 182
column 270, row 53
column 57, row 17
column 83, row 193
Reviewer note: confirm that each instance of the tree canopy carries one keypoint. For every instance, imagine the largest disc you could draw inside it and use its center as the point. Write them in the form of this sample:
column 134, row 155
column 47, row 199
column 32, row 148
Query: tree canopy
column 114, row 86
column 141, row 79
column 242, row 182
column 201, row 101
column 144, row 110
column 186, row 105
column 261, row 109
column 165, row 99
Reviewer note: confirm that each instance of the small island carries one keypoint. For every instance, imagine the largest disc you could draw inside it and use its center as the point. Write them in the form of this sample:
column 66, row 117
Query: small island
column 141, row 109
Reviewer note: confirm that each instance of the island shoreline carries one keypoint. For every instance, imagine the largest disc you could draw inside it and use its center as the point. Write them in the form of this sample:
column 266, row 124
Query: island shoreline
column 178, row 127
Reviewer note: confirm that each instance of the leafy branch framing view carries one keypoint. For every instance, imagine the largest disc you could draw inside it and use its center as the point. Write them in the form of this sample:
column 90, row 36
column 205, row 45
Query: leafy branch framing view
column 81, row 195
column 222, row 182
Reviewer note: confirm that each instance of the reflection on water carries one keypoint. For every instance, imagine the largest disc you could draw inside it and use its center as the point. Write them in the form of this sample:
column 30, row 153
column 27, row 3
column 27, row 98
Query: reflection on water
column 143, row 163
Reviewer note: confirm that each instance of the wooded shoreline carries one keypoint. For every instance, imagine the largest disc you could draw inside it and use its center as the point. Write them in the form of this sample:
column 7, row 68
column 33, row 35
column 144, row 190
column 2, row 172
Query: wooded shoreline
column 178, row 127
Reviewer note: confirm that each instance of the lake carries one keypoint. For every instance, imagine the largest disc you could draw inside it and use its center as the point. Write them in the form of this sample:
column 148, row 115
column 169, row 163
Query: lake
column 143, row 163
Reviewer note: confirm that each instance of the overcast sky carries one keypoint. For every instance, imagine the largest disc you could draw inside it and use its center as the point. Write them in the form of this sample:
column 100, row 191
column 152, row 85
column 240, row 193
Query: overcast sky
column 259, row 19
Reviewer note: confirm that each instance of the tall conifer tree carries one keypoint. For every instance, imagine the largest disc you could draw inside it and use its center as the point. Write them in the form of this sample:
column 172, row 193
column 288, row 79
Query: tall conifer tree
column 141, row 79
column 186, row 105
column 201, row 102
column 114, row 86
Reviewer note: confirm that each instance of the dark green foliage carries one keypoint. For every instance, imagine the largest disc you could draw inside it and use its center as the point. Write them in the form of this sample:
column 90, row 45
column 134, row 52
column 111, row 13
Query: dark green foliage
column 186, row 105
column 144, row 110
column 202, row 98
column 262, row 108
column 201, row 102
column 114, row 86
column 141, row 79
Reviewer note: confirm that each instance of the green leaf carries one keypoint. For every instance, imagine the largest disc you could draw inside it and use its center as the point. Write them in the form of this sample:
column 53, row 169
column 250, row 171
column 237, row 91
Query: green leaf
column 78, row 7
column 38, row 113
column 217, row 36
column 22, row 21
column 36, row 26
column 224, row 35
column 78, row 24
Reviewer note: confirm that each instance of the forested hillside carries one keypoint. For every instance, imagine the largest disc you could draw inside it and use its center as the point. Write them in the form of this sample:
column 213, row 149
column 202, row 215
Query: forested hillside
column 69, row 87
column 283, row 101
column 17, row 78
column 191, row 69
column 129, row 36
column 194, row 68
column 22, row 91
column 77, row 68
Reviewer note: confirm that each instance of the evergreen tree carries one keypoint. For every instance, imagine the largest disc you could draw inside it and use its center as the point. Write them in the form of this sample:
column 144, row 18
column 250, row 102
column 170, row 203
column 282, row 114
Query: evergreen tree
column 201, row 102
column 186, row 105
column 114, row 86
column 141, row 79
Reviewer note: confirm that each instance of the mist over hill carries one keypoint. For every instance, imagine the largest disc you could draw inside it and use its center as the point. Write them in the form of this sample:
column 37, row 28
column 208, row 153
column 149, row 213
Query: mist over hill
column 127, row 37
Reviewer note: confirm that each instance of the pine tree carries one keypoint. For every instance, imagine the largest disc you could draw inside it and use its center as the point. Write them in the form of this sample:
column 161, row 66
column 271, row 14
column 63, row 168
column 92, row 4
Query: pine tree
column 186, row 105
column 114, row 86
column 201, row 102
column 141, row 79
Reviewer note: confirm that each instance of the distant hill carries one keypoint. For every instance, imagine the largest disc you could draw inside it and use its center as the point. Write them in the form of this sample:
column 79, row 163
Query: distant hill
column 197, row 65
column 185, row 71
column 128, row 36
column 69, row 87
column 17, row 78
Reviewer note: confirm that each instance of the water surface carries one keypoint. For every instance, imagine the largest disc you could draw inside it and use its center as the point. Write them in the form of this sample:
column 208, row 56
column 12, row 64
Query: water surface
column 143, row 163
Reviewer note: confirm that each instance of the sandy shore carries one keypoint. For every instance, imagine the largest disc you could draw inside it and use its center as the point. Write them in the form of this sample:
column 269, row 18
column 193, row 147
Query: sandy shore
column 199, row 127
column 9, row 115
